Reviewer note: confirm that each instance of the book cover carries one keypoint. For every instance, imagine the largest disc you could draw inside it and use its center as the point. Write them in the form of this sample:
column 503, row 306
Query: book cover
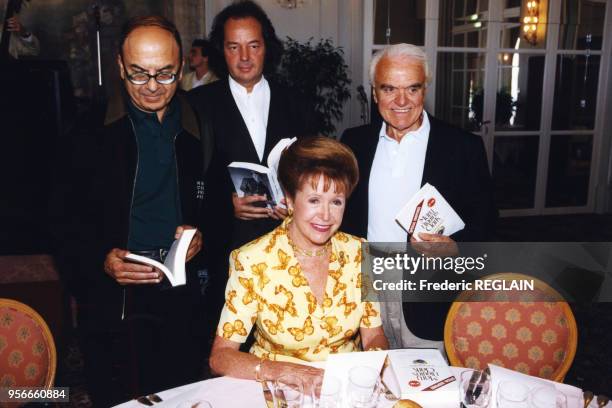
column 255, row 179
column 428, row 211
column 423, row 375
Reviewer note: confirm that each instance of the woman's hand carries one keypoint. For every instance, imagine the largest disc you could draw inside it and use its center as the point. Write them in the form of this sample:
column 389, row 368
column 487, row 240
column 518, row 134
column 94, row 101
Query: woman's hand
column 272, row 370
column 227, row 359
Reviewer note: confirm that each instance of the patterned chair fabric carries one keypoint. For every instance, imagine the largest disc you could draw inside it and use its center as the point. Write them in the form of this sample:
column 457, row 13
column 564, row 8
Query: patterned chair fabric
column 27, row 350
column 533, row 337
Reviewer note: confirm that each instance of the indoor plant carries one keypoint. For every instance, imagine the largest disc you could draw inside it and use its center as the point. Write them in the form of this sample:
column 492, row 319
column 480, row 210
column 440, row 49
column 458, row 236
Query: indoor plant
column 318, row 73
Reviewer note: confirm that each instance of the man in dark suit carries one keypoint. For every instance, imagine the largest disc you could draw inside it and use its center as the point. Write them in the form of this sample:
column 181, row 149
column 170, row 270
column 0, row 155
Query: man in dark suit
column 411, row 148
column 249, row 114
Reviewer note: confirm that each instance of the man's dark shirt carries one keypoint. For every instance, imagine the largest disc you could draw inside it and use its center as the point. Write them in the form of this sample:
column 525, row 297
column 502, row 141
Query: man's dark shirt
column 156, row 205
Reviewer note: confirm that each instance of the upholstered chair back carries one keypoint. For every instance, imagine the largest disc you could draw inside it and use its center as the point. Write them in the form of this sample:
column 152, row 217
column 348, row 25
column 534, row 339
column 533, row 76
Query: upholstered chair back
column 533, row 332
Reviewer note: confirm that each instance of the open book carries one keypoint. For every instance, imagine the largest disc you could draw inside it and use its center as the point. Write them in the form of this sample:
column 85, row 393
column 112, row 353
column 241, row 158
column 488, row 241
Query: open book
column 427, row 211
column 174, row 265
column 255, row 179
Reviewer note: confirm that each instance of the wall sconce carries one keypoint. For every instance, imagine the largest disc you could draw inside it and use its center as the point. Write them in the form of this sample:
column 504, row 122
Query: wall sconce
column 290, row 4
column 530, row 22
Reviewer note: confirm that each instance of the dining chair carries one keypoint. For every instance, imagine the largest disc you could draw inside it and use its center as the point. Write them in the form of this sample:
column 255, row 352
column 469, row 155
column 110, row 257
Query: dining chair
column 27, row 351
column 533, row 332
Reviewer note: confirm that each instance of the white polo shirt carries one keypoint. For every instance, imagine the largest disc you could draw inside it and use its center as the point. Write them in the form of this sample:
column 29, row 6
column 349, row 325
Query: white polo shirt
column 254, row 108
column 396, row 175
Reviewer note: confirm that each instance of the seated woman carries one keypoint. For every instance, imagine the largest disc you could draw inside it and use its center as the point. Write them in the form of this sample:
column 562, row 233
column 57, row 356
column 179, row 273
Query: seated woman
column 300, row 284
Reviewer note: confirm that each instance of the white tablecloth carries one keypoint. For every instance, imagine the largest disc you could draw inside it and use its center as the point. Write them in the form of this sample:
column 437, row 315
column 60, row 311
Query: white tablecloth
column 227, row 392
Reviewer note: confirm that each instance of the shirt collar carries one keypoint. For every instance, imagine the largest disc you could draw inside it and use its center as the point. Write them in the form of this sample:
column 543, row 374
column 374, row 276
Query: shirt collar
column 420, row 134
column 242, row 91
column 171, row 111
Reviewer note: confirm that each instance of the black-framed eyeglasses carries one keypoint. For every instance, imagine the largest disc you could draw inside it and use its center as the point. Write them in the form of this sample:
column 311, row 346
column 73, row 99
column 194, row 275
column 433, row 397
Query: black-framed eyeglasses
column 141, row 78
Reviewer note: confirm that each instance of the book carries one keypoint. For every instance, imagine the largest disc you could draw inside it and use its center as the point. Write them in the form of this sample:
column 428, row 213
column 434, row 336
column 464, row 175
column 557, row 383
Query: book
column 428, row 211
column 421, row 375
column 255, row 179
column 174, row 265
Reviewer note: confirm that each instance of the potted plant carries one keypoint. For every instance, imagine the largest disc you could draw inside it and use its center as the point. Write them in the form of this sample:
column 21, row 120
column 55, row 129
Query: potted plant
column 318, row 73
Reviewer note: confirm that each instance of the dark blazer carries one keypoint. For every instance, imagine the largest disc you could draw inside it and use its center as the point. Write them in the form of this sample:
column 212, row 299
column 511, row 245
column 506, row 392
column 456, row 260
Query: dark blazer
column 216, row 106
column 91, row 207
column 455, row 163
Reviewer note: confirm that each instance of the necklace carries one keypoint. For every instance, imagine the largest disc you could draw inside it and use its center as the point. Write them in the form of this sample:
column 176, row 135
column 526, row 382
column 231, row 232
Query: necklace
column 308, row 253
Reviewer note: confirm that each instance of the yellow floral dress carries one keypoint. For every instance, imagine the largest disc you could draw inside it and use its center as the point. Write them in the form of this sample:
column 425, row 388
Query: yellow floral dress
column 267, row 288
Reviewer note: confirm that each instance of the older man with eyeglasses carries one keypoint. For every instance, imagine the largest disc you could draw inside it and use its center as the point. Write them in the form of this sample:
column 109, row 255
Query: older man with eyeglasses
column 148, row 189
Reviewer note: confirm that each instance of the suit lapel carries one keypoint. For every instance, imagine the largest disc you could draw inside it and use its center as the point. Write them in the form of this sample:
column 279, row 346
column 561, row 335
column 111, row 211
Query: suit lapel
column 367, row 153
column 435, row 155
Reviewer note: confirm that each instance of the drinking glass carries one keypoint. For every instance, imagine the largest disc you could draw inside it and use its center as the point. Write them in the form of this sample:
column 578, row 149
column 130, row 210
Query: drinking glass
column 288, row 391
column 547, row 397
column 328, row 396
column 363, row 388
column 475, row 388
column 512, row 394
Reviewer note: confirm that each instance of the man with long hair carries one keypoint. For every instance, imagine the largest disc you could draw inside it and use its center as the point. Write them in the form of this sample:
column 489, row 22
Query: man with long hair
column 249, row 113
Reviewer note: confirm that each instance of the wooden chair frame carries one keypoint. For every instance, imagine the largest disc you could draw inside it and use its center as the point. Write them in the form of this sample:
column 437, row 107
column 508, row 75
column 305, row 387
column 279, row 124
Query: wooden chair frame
column 559, row 374
column 48, row 337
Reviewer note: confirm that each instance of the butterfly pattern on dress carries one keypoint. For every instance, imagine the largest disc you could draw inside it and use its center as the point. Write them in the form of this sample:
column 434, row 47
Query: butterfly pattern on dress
column 348, row 306
column 283, row 260
column 298, row 279
column 338, row 286
column 259, row 271
column 237, row 265
column 306, row 330
column 268, row 290
column 368, row 312
column 237, row 327
column 229, row 301
column 274, row 328
column 330, row 325
column 312, row 302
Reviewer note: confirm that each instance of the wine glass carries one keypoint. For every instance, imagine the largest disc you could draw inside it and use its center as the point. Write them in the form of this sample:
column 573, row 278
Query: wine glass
column 328, row 396
column 512, row 394
column 363, row 388
column 289, row 391
column 547, row 397
column 475, row 388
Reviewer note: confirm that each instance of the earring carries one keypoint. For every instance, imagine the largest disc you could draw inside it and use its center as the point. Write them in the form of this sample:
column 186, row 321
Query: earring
column 290, row 211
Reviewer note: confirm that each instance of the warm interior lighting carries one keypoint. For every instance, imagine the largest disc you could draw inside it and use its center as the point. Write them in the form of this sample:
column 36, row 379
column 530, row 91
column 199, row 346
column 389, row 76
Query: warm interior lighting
column 530, row 22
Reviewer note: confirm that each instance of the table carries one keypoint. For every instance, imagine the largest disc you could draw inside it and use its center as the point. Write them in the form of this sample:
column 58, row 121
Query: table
column 227, row 392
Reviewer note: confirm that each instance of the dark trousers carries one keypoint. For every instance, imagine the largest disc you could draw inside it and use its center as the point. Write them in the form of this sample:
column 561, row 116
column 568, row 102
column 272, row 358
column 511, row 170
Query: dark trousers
column 161, row 343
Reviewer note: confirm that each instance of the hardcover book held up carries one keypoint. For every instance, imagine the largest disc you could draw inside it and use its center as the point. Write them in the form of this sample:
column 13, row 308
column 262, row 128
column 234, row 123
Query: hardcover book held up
column 421, row 375
column 174, row 265
column 428, row 211
column 255, row 179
